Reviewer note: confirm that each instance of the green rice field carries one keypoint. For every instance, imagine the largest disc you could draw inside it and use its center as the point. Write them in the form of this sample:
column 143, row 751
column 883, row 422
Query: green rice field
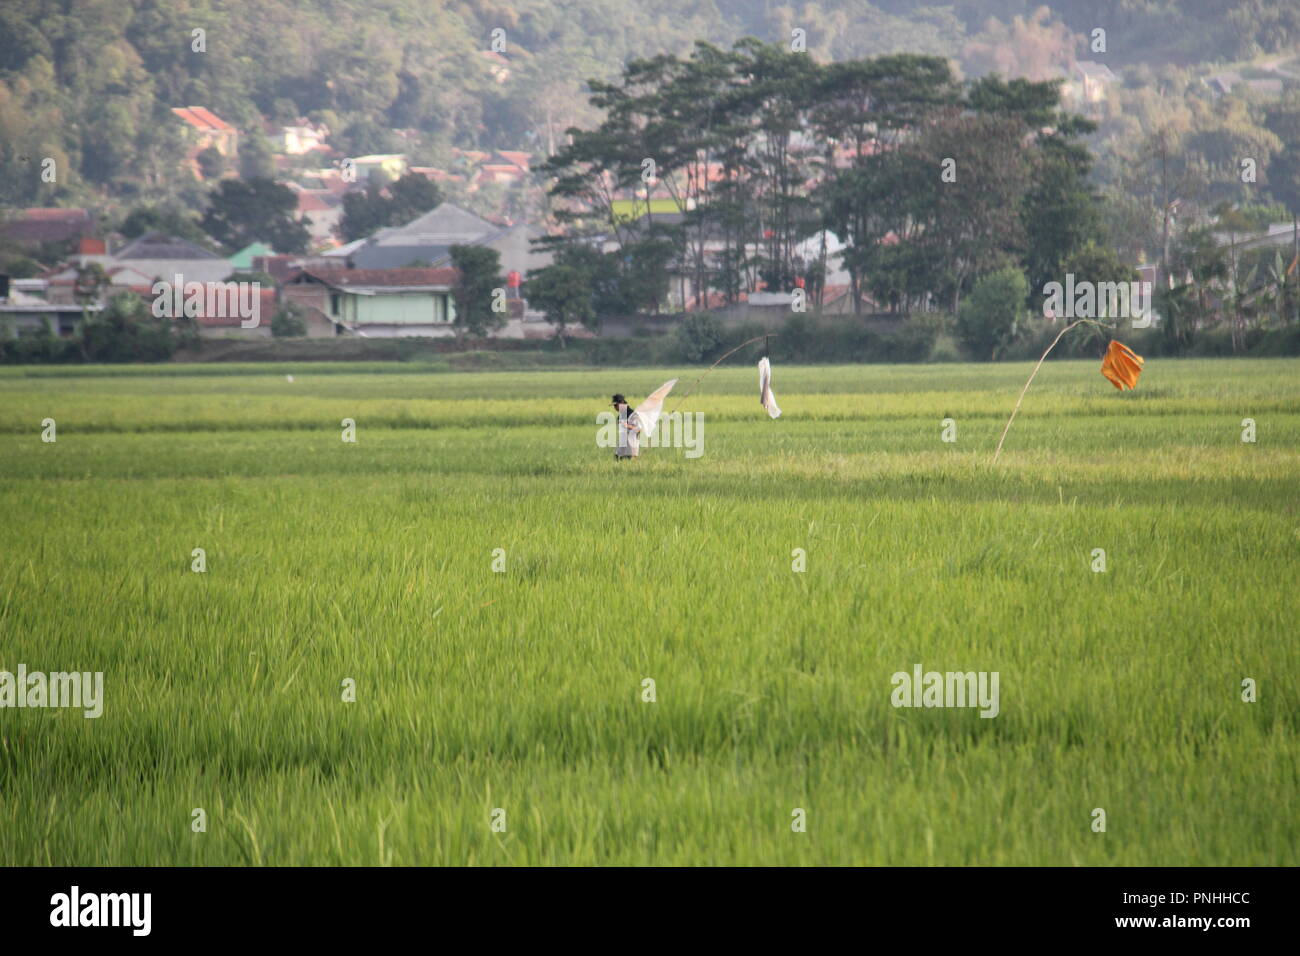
column 438, row 644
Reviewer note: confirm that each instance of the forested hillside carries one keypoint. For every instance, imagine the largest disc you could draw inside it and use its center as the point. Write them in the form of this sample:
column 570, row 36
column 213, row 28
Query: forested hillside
column 91, row 83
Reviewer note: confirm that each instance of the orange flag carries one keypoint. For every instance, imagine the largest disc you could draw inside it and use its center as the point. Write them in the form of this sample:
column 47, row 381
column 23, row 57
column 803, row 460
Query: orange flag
column 1121, row 366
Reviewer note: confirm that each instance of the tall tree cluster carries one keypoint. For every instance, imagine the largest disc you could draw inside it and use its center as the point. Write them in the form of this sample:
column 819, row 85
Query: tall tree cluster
column 767, row 156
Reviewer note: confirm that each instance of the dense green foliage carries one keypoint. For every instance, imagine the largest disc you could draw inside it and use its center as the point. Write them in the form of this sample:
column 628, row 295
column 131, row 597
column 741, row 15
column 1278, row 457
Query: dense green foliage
column 287, row 322
column 478, row 290
column 244, row 211
column 930, row 183
column 123, row 331
column 987, row 319
column 562, row 293
column 697, row 337
column 387, row 204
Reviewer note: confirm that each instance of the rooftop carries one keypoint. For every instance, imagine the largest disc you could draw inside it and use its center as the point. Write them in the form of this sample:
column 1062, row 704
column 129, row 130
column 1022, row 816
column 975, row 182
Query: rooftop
column 362, row 280
column 202, row 119
column 157, row 245
column 46, row 225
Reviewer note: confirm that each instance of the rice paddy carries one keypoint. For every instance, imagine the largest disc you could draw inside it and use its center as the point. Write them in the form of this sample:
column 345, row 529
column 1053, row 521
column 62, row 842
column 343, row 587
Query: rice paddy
column 471, row 637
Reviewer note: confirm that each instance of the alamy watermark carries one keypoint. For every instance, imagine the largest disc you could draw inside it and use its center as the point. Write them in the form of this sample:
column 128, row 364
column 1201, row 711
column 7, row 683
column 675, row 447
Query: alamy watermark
column 75, row 908
column 213, row 300
column 77, row 689
column 1084, row 299
column 674, row 430
column 951, row 689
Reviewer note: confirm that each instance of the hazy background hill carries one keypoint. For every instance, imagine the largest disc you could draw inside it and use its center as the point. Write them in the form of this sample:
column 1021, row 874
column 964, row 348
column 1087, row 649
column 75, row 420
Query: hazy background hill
column 91, row 82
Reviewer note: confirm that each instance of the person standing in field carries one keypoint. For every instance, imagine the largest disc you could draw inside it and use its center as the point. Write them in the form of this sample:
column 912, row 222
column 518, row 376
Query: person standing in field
column 637, row 423
column 629, row 430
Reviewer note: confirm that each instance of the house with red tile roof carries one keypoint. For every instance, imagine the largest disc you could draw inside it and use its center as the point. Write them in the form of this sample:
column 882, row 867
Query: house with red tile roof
column 46, row 225
column 205, row 129
column 470, row 157
column 515, row 157
column 504, row 174
column 434, row 174
column 203, row 120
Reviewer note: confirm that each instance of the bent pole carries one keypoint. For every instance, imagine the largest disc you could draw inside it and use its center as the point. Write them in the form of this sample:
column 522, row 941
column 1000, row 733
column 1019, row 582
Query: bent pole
column 678, row 403
column 1031, row 379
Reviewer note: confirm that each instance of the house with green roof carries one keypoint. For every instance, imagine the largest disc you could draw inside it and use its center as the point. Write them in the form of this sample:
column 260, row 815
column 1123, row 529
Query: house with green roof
column 242, row 261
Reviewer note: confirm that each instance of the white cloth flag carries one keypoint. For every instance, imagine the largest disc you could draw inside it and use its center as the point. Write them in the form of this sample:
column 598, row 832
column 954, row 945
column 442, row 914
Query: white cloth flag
column 646, row 416
column 648, row 411
column 765, row 396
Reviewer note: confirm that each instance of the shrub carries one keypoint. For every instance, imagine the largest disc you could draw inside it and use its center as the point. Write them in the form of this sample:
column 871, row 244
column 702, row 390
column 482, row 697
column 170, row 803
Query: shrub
column 287, row 323
column 125, row 331
column 43, row 347
column 697, row 336
column 988, row 319
column 914, row 341
column 945, row 349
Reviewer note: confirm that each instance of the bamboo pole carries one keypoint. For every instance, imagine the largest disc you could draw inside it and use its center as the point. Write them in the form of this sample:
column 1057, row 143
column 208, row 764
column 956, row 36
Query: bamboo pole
column 681, row 399
column 1031, row 379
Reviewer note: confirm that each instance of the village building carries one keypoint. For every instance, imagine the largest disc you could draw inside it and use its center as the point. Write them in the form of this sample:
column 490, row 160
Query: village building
column 40, row 225
column 139, row 264
column 376, row 303
column 427, row 241
column 206, row 130
column 25, row 310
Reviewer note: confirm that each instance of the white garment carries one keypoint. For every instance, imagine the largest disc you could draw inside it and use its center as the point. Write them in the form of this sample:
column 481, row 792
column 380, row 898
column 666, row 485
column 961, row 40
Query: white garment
column 629, row 430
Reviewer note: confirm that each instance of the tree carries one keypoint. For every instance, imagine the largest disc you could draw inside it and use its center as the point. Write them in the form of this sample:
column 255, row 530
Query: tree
column 1284, row 178
column 256, row 160
column 1031, row 46
column 563, row 293
column 967, row 226
column 1096, row 264
column 364, row 212
column 988, row 318
column 645, row 276
column 602, row 274
column 365, row 137
column 241, row 212
column 864, row 108
column 697, row 336
column 1059, row 209
column 478, row 277
column 1280, row 291
column 1283, row 120
column 396, row 204
column 211, row 163
column 170, row 220
column 777, row 90
column 1188, row 306
column 410, row 197
column 90, row 283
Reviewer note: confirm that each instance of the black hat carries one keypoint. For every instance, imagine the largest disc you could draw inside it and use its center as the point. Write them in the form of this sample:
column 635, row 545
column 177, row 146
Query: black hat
column 619, row 399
